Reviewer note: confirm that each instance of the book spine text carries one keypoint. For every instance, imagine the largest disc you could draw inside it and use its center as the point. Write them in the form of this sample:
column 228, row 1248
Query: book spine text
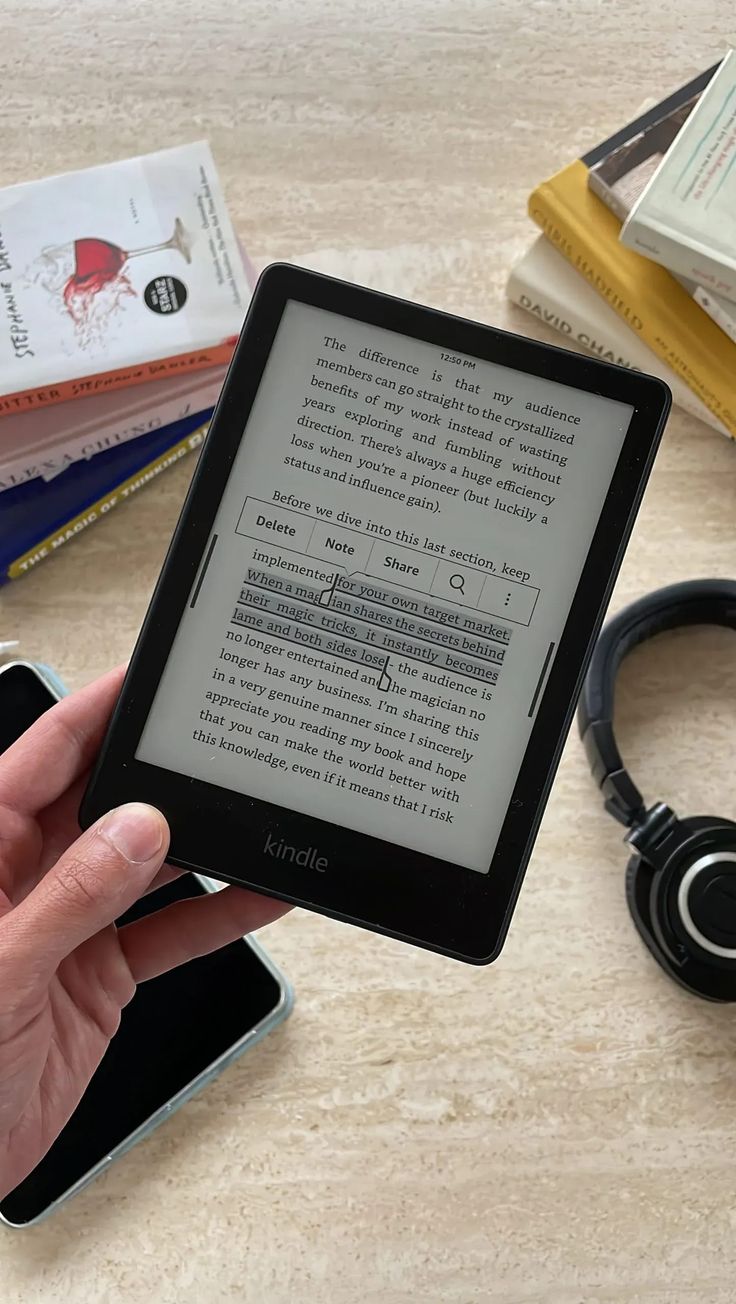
column 684, row 258
column 612, row 343
column 120, row 494
column 31, row 399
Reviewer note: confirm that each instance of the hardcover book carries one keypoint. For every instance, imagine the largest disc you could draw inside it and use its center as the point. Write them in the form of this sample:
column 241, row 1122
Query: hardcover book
column 545, row 285
column 685, row 217
column 45, row 443
column 38, row 517
column 115, row 275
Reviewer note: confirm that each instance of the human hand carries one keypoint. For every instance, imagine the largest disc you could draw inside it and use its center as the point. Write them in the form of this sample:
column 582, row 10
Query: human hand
column 66, row 971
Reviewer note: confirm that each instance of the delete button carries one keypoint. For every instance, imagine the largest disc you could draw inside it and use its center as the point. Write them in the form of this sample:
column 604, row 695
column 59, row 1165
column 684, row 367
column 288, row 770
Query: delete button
column 275, row 525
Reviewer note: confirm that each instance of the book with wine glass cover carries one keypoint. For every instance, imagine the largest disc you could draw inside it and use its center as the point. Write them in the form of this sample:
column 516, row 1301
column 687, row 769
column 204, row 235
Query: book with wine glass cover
column 115, row 275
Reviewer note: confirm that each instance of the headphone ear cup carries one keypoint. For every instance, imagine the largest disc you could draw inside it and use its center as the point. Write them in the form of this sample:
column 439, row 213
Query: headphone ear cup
column 644, row 889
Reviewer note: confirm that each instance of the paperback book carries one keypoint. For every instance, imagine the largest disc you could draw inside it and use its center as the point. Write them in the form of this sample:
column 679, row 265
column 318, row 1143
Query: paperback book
column 620, row 177
column 116, row 275
column 685, row 216
column 646, row 296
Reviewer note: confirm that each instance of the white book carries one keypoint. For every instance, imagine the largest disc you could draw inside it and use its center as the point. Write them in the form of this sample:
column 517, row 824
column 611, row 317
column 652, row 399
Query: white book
column 45, row 441
column 723, row 311
column 116, row 275
column 546, row 285
column 685, row 217
column 620, row 176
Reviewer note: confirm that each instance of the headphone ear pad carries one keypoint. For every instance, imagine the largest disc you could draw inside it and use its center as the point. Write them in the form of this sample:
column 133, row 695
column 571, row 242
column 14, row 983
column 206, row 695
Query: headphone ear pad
column 639, row 877
column 638, row 886
column 691, row 975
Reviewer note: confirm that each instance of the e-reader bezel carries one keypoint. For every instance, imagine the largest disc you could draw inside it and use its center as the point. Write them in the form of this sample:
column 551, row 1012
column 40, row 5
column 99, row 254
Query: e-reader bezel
column 370, row 882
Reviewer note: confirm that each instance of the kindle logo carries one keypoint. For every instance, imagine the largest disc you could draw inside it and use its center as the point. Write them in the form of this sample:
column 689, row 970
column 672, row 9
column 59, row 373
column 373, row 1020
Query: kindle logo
column 306, row 857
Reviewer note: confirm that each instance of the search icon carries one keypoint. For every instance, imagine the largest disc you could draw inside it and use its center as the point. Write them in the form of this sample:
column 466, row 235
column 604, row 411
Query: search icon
column 458, row 582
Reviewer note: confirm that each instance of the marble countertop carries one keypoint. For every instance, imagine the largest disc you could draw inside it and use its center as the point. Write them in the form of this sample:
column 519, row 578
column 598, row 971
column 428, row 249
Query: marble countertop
column 560, row 1127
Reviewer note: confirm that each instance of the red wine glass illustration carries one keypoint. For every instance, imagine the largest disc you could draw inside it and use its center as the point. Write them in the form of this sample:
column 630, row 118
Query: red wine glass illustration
column 98, row 263
column 88, row 278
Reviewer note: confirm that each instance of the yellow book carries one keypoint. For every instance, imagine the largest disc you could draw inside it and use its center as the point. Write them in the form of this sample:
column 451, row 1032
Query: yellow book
column 649, row 299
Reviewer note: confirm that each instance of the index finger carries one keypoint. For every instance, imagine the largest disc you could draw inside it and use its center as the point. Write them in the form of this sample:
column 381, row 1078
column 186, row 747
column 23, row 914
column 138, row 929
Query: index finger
column 60, row 746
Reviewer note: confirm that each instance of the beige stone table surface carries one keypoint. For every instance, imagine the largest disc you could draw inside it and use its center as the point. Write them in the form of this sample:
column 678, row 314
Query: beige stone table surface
column 560, row 1127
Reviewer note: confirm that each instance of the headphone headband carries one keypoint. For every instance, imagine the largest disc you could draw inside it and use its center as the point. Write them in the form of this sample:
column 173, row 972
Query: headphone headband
column 695, row 602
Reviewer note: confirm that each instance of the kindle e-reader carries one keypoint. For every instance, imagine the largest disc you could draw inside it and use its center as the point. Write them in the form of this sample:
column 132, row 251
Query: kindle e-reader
column 362, row 656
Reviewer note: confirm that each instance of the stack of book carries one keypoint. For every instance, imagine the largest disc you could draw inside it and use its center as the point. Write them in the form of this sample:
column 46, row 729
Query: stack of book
column 122, row 293
column 638, row 258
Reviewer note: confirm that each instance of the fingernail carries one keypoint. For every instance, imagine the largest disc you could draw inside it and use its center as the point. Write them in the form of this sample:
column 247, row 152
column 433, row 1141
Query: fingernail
column 137, row 831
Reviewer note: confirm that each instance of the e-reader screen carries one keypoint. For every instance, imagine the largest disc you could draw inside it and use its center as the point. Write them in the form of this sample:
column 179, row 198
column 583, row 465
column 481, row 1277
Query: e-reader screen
column 386, row 581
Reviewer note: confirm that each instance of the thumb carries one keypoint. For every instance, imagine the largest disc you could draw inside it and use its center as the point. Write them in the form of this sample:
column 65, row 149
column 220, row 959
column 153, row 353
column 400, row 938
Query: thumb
column 98, row 877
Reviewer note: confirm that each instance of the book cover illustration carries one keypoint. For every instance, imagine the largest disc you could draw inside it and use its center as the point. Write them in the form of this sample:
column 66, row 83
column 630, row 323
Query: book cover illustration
column 88, row 279
column 113, row 266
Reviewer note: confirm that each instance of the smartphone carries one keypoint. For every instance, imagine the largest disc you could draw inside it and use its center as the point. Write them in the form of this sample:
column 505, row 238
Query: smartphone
column 175, row 1035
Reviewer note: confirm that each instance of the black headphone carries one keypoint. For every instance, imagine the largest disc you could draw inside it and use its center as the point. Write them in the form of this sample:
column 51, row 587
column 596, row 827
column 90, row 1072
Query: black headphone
column 681, row 879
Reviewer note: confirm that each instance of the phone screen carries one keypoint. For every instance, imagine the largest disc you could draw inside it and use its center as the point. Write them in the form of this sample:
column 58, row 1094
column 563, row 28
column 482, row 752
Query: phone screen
column 391, row 568
column 176, row 1026
column 23, row 698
